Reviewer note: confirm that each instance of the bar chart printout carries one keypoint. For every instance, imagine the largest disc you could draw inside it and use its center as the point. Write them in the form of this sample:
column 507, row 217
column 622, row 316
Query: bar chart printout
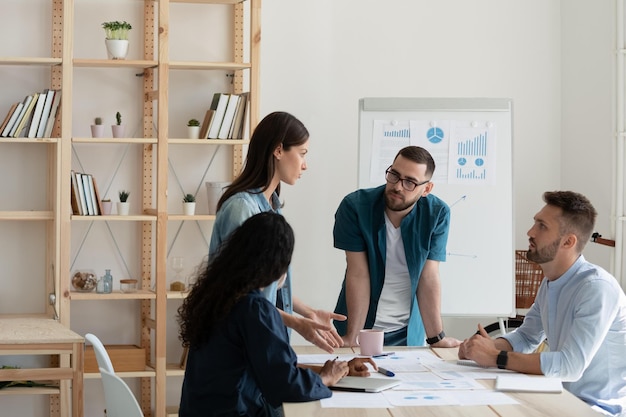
column 472, row 155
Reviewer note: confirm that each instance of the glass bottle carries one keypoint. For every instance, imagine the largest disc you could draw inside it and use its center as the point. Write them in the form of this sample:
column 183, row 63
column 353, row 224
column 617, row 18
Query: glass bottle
column 105, row 284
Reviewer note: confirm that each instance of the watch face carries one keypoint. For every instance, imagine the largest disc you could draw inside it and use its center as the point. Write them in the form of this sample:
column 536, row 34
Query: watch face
column 502, row 359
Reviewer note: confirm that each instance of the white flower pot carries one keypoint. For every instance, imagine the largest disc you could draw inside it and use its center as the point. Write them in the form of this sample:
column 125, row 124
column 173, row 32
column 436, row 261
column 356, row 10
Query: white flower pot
column 193, row 132
column 117, row 48
column 189, row 208
column 97, row 131
column 123, row 208
column 106, row 207
column 118, row 131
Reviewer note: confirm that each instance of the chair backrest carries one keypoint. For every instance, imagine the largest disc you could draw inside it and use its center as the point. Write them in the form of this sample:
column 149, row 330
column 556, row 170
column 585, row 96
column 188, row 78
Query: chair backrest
column 102, row 357
column 119, row 399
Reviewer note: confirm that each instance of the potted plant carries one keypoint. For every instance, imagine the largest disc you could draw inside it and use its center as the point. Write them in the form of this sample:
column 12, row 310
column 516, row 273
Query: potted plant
column 189, row 204
column 116, row 38
column 106, row 206
column 193, row 128
column 118, row 128
column 123, row 206
column 97, row 129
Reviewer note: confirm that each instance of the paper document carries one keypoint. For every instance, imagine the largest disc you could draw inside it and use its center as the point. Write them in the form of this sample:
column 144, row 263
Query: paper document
column 511, row 383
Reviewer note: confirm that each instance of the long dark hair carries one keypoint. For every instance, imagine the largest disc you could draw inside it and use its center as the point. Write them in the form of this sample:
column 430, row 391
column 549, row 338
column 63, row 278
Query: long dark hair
column 255, row 255
column 275, row 129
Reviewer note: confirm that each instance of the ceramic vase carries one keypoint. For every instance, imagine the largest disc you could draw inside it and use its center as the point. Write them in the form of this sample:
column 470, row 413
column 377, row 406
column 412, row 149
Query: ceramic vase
column 123, row 208
column 116, row 48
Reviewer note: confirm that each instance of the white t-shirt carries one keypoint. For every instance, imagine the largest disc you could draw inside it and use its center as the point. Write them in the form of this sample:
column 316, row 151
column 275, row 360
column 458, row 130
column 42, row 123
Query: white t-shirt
column 394, row 304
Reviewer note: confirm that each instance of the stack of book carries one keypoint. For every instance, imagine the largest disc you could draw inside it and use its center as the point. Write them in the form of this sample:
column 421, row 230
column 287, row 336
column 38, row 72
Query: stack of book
column 34, row 117
column 85, row 195
column 226, row 117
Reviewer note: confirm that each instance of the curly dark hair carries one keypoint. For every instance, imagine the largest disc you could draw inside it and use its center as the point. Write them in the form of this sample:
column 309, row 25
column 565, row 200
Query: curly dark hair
column 278, row 128
column 255, row 255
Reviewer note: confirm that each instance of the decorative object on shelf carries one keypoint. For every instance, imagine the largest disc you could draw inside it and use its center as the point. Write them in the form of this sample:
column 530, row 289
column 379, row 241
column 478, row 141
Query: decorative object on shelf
column 123, row 206
column 128, row 285
column 84, row 281
column 193, row 129
column 106, row 206
column 116, row 38
column 97, row 129
column 105, row 283
column 214, row 191
column 189, row 204
column 178, row 264
column 118, row 128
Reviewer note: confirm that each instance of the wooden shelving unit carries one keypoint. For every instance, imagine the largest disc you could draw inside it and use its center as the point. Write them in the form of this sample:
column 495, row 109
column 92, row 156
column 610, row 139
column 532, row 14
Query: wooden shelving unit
column 152, row 217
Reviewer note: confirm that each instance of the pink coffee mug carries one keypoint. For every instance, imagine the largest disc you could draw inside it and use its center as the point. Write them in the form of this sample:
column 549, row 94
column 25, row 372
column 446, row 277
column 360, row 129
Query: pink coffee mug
column 371, row 342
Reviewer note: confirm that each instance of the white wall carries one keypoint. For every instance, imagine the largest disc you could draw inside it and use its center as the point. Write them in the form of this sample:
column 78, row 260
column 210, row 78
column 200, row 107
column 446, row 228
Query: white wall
column 319, row 58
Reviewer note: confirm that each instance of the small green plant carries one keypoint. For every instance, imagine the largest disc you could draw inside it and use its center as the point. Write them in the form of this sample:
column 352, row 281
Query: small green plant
column 124, row 196
column 98, row 120
column 118, row 118
column 193, row 122
column 117, row 30
column 189, row 198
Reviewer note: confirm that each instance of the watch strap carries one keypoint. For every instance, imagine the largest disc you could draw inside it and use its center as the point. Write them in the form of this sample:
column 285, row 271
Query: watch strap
column 502, row 359
column 435, row 339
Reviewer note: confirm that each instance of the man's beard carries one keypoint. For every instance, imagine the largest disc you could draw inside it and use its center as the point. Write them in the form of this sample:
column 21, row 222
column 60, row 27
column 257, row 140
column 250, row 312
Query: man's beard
column 395, row 205
column 544, row 254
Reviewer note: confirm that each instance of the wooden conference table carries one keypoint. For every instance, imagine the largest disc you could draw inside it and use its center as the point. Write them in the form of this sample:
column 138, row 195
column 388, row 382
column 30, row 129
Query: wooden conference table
column 44, row 336
column 530, row 404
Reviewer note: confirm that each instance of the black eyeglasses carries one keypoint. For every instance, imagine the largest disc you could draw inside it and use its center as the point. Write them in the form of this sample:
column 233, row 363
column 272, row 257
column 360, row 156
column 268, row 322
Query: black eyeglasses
column 392, row 177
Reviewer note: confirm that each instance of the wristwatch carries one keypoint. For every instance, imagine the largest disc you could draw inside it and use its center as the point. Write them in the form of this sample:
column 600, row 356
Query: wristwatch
column 435, row 339
column 502, row 359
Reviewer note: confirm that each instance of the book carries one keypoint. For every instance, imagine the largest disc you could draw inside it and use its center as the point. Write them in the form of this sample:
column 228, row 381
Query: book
column 25, row 116
column 37, row 110
column 206, row 123
column 97, row 194
column 87, row 191
column 237, row 130
column 25, row 104
column 14, row 116
column 8, row 117
column 219, row 103
column 75, row 199
column 469, row 362
column 519, row 383
column 45, row 113
column 229, row 114
column 54, row 109
column 81, row 194
column 94, row 197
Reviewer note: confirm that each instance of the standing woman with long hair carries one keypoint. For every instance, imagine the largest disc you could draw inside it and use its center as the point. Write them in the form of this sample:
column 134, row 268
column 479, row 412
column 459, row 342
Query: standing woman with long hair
column 276, row 154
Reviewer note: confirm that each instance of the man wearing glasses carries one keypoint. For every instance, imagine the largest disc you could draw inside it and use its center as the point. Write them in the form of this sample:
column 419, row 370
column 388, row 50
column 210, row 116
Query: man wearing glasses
column 394, row 237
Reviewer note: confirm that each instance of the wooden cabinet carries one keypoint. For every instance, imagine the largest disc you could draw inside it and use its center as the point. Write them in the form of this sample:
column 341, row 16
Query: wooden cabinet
column 152, row 161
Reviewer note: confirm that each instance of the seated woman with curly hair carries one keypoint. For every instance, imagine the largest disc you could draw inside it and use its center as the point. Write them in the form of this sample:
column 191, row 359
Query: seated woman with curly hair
column 240, row 361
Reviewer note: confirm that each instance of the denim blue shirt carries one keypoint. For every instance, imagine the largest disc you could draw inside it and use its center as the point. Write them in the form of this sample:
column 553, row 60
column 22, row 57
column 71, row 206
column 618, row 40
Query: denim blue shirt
column 583, row 316
column 360, row 227
column 236, row 210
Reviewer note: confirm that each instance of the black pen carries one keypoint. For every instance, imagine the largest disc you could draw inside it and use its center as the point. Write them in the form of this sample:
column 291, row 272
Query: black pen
column 385, row 372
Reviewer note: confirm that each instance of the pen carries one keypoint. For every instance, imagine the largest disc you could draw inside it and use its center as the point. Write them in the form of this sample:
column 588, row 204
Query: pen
column 385, row 372
column 384, row 354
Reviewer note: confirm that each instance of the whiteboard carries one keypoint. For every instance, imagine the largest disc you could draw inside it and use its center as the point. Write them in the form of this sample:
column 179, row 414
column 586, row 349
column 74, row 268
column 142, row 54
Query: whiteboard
column 471, row 142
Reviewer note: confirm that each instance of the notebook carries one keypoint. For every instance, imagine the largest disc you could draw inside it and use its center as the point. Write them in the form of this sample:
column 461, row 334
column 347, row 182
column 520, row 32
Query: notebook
column 511, row 383
column 364, row 384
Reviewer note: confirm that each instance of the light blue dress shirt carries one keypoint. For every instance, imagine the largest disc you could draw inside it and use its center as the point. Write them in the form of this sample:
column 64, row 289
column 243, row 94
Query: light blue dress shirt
column 583, row 316
column 236, row 210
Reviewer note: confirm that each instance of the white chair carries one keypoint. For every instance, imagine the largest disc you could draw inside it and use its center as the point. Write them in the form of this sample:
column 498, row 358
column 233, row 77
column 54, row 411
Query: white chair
column 102, row 357
column 119, row 399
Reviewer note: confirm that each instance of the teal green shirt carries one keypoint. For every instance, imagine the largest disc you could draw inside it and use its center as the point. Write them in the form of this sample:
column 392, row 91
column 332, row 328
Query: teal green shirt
column 360, row 227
